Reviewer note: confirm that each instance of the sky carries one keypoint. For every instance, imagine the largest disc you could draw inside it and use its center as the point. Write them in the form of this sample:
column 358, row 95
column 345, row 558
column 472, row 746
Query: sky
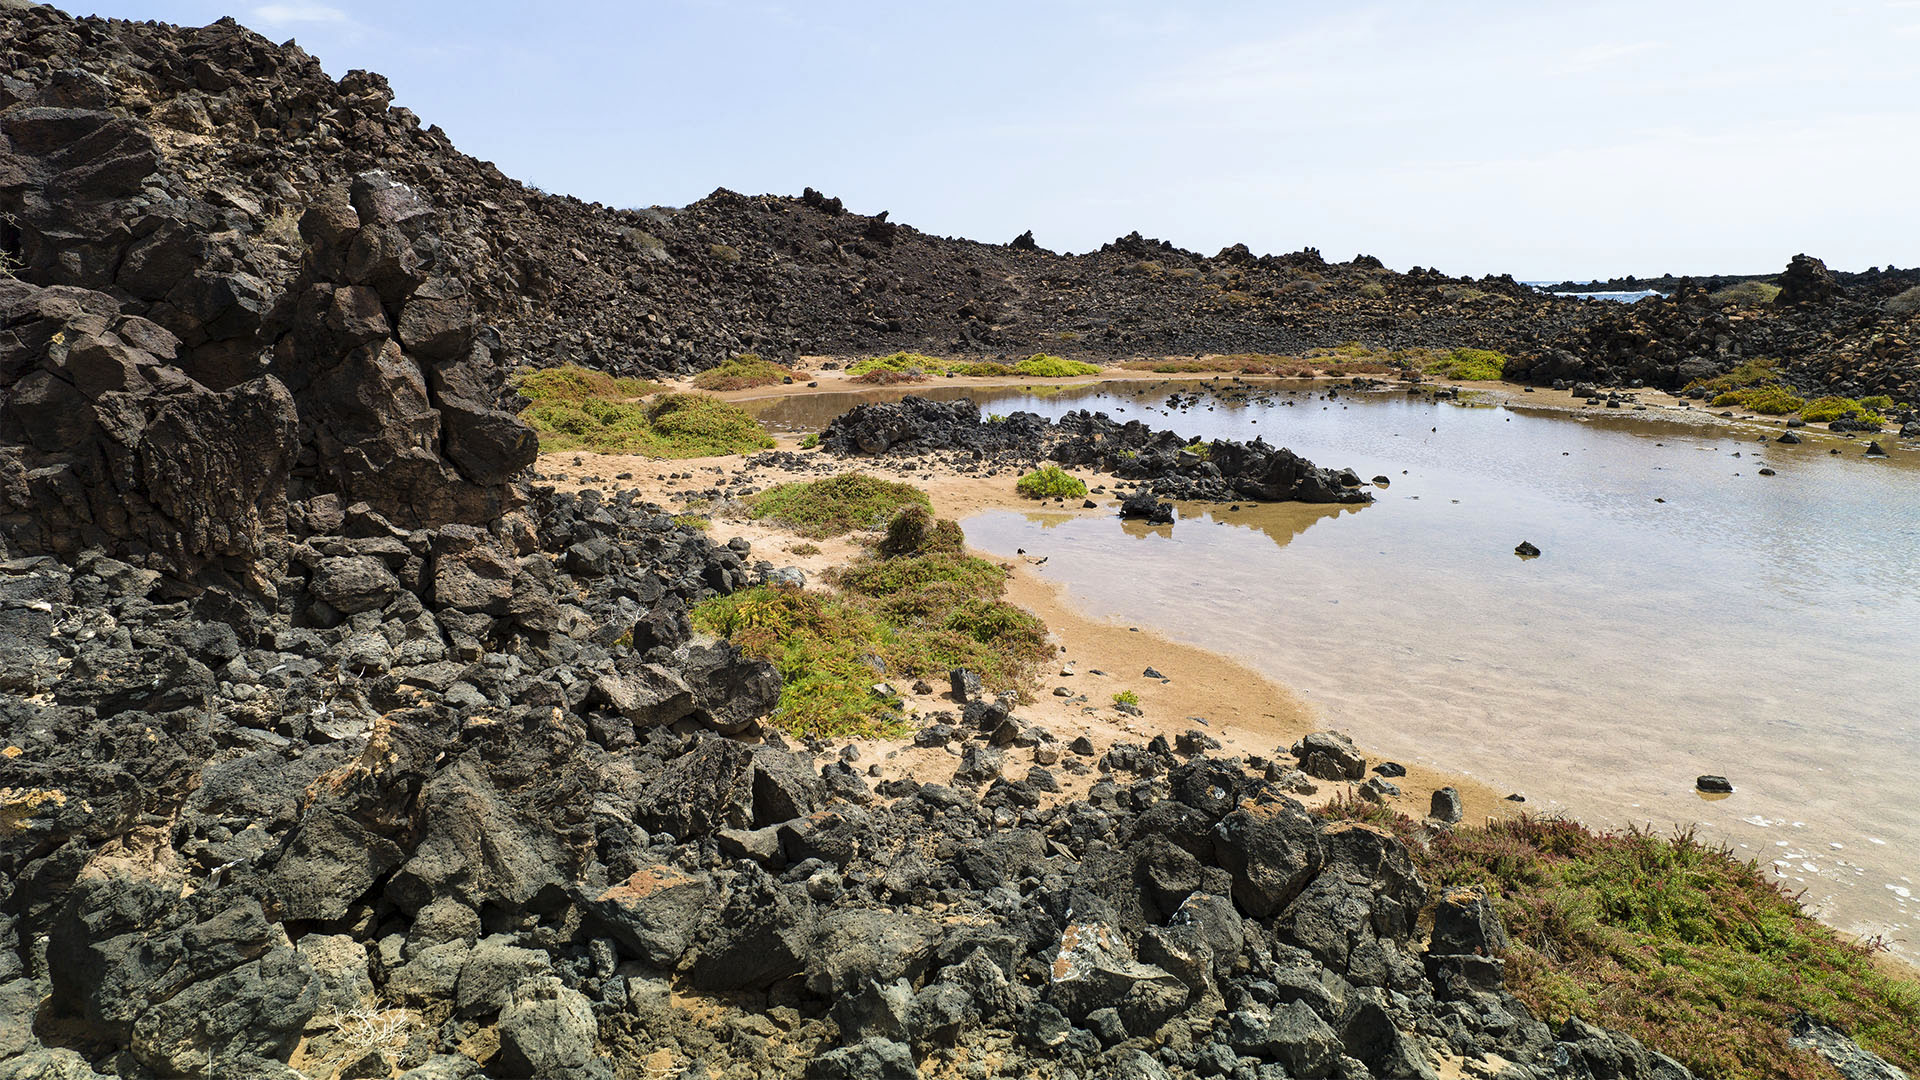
column 1547, row 140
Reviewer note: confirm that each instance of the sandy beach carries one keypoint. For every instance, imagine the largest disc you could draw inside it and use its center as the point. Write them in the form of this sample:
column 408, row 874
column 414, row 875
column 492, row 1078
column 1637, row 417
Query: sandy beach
column 1200, row 690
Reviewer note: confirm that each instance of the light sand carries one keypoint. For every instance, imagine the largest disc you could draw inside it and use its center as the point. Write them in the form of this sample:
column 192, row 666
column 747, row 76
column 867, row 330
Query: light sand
column 1248, row 713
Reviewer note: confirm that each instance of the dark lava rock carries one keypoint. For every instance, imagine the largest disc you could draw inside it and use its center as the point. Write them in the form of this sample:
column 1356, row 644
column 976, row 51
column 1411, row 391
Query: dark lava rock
column 1718, row 784
column 1526, row 550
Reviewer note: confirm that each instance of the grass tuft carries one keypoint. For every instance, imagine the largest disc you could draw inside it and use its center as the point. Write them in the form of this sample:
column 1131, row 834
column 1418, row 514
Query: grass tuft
column 669, row 426
column 1827, row 409
column 1746, row 294
column 915, row 531
column 572, row 382
column 836, row 505
column 1051, row 482
column 744, row 372
column 907, row 616
column 1044, row 366
column 1679, row 943
column 1766, row 400
column 1469, row 365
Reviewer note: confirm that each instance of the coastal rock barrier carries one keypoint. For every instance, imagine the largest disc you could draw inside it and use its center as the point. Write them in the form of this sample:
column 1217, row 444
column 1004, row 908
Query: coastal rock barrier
column 1158, row 463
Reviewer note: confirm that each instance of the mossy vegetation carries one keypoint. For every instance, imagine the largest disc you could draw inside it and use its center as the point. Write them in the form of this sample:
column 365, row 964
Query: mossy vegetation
column 918, row 367
column 1746, row 294
column 916, row 613
column 1828, row 409
column 1345, row 359
column 1748, row 374
column 836, row 505
column 667, row 426
column 571, row 382
column 1051, row 482
column 1766, row 400
column 915, row 531
column 1469, row 365
column 1046, row 366
column 1680, row 943
column 745, row 371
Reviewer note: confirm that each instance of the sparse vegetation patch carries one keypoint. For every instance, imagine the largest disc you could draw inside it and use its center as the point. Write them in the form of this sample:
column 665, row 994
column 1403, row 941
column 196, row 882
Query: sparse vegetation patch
column 668, row 426
column 744, row 372
column 1045, row 366
column 836, row 505
column 1051, row 482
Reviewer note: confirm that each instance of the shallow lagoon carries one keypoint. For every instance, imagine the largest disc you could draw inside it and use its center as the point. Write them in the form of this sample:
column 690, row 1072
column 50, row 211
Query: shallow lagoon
column 1762, row 627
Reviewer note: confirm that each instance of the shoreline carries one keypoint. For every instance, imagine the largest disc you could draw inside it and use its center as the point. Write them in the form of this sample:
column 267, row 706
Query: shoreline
column 1093, row 641
column 1248, row 712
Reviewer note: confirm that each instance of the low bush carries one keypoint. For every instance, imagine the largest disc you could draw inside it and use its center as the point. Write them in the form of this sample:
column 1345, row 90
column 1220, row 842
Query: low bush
column 1828, row 409
column 571, row 382
column 915, row 531
column 1051, row 482
column 744, row 372
column 908, row 616
column 1681, row 944
column 1760, row 371
column 1127, row 697
column 1469, row 365
column 1746, row 294
column 1766, row 400
column 669, row 426
column 836, row 505
column 1044, row 366
column 1905, row 303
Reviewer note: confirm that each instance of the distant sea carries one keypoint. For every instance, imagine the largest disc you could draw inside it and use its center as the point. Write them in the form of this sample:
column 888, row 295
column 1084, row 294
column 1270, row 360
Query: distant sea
column 1623, row 297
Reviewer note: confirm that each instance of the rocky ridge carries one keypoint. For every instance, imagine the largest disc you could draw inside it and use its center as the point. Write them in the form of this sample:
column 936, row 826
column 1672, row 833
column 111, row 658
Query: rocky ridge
column 328, row 747
column 246, row 134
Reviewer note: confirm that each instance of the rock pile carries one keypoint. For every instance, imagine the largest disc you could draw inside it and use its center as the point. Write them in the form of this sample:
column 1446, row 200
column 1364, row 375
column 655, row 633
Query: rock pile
column 1160, row 463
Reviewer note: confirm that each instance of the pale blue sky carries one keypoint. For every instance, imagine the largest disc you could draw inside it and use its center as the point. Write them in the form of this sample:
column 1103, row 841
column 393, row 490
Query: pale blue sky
column 1547, row 140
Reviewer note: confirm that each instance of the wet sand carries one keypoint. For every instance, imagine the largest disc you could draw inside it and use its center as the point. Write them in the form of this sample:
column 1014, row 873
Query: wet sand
column 1249, row 713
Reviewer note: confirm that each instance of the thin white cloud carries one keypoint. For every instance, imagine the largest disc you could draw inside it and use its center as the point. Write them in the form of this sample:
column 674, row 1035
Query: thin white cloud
column 299, row 14
column 1606, row 55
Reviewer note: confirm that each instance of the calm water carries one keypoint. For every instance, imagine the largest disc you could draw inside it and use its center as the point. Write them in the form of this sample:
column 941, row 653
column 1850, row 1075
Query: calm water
column 1766, row 628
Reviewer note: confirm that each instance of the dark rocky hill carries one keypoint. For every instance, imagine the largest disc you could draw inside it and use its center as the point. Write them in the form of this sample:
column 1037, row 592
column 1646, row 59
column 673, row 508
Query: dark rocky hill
column 243, row 135
column 330, row 747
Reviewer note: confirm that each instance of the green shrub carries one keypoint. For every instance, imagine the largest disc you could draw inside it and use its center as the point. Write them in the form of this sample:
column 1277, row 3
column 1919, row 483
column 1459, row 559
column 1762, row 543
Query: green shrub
column 910, row 617
column 1766, row 400
column 1044, row 366
column 1760, row 371
column 1746, row 294
column 810, row 440
column 1373, row 290
column 669, row 426
column 1127, row 697
column 1828, row 409
column 744, row 372
column 1905, row 303
column 1469, row 365
column 571, row 382
column 836, row 505
column 906, row 363
column 1686, row 946
column 915, row 531
column 1877, row 402
column 1051, row 482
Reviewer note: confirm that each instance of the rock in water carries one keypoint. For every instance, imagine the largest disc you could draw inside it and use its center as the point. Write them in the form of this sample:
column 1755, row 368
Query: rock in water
column 1526, row 550
column 1714, row 784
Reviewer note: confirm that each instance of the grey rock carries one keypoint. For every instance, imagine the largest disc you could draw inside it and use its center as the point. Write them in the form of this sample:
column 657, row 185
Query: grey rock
column 548, row 1032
